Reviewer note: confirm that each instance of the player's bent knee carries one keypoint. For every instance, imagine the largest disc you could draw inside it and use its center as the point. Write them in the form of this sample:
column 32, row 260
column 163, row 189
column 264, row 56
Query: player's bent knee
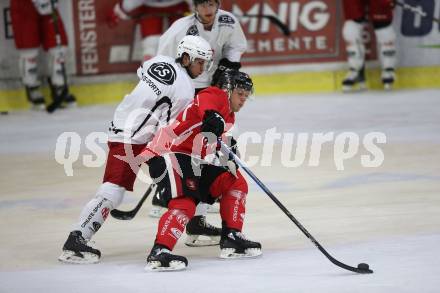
column 111, row 192
column 352, row 31
column 226, row 182
column 185, row 204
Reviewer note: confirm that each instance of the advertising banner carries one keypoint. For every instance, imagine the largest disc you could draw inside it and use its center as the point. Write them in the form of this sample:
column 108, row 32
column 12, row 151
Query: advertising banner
column 418, row 37
column 100, row 49
column 95, row 49
column 315, row 30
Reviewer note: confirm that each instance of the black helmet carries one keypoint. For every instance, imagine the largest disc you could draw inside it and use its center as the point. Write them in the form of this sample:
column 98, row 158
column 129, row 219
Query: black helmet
column 231, row 79
column 197, row 2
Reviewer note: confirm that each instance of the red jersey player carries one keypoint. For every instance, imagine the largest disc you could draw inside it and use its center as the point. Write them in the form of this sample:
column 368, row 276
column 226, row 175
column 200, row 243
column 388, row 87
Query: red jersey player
column 183, row 171
column 154, row 18
column 33, row 26
column 380, row 14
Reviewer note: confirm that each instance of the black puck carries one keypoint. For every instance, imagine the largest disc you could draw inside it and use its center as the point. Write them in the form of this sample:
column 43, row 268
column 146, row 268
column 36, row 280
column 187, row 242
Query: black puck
column 363, row 266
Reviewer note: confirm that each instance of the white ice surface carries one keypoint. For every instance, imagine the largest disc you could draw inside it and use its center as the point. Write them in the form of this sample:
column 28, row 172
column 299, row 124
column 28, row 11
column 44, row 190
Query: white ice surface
column 405, row 264
column 391, row 221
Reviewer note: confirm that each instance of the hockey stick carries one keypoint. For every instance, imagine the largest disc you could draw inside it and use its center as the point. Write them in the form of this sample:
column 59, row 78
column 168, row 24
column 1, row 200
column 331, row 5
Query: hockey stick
column 273, row 19
column 57, row 99
column 416, row 10
column 276, row 21
column 128, row 215
column 362, row 268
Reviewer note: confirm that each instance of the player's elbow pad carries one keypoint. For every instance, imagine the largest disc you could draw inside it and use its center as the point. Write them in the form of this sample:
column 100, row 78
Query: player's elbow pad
column 213, row 122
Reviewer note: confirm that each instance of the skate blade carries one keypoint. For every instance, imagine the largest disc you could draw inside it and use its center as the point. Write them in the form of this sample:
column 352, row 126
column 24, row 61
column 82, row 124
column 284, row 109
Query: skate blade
column 70, row 105
column 155, row 266
column 359, row 87
column 388, row 86
column 201, row 240
column 69, row 256
column 229, row 253
column 38, row 107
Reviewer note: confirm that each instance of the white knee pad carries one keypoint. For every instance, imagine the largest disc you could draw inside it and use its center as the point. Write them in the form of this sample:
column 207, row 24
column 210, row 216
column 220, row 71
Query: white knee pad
column 96, row 211
column 57, row 58
column 111, row 192
column 28, row 66
column 93, row 215
column 352, row 33
column 149, row 46
column 386, row 40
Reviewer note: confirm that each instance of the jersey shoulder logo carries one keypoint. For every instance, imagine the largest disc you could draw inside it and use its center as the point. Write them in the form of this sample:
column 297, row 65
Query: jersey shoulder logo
column 224, row 18
column 162, row 72
column 192, row 31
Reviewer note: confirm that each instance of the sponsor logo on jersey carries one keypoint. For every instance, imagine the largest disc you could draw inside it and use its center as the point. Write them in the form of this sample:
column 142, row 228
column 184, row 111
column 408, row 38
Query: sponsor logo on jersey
column 225, row 19
column 192, row 30
column 182, row 218
column 94, row 211
column 96, row 226
column 176, row 233
column 105, row 212
column 166, row 224
column 163, row 72
column 238, row 194
column 191, row 184
column 151, row 84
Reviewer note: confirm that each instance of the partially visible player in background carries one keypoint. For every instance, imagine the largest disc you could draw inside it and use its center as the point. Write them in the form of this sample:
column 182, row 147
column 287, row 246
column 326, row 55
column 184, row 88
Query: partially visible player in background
column 33, row 26
column 223, row 32
column 164, row 89
column 153, row 16
column 380, row 14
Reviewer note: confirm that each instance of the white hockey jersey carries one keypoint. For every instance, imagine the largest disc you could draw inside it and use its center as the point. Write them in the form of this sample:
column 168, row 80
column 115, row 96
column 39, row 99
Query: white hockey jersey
column 164, row 90
column 130, row 5
column 226, row 39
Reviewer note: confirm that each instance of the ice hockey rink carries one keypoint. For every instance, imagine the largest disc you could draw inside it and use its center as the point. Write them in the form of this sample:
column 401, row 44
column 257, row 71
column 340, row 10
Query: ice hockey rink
column 386, row 216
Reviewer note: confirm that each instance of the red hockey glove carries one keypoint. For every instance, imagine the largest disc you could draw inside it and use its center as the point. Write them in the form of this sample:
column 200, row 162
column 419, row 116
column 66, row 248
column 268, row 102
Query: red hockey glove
column 116, row 15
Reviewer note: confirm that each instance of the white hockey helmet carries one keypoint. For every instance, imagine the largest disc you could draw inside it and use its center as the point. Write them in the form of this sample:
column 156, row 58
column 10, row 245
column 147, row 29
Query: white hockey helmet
column 195, row 47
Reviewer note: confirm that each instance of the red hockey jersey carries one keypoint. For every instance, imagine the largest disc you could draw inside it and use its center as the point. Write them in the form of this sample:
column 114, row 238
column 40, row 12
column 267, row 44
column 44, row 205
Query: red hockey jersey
column 184, row 134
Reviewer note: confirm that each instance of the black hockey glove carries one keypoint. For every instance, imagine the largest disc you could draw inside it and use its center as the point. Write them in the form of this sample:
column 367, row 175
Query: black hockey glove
column 223, row 65
column 233, row 145
column 213, row 123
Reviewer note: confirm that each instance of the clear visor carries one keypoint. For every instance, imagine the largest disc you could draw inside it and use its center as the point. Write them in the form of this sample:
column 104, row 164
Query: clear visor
column 207, row 64
column 247, row 87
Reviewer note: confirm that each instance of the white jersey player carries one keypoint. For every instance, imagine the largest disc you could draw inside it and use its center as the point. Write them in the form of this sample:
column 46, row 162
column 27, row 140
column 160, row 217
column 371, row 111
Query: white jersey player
column 223, row 32
column 34, row 27
column 219, row 27
column 164, row 89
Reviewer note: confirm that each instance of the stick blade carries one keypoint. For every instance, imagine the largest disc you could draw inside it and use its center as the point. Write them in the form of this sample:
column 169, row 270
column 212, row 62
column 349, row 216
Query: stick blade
column 121, row 215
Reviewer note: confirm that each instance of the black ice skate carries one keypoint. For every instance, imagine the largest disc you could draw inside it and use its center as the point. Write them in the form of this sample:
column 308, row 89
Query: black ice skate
column 234, row 244
column 201, row 233
column 35, row 97
column 76, row 250
column 62, row 93
column 354, row 80
column 388, row 77
column 61, row 98
column 161, row 259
